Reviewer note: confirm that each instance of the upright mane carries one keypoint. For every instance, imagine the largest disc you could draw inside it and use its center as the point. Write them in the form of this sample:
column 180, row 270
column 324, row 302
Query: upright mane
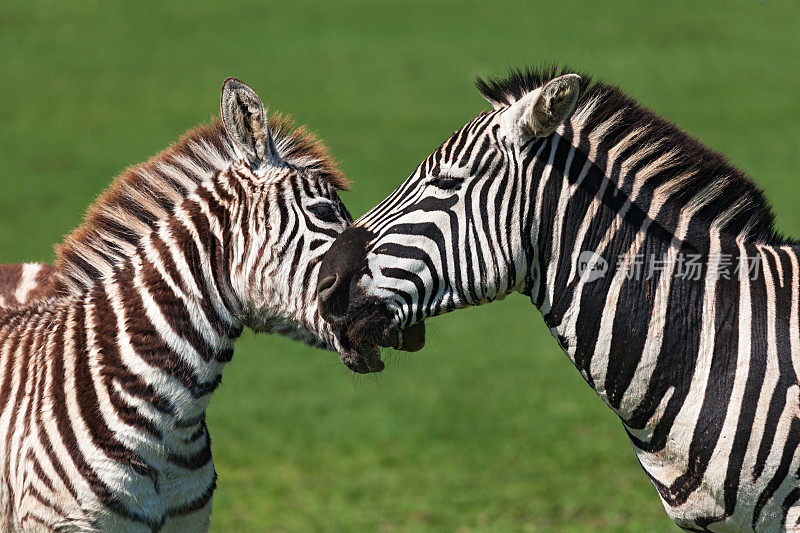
column 689, row 165
column 143, row 194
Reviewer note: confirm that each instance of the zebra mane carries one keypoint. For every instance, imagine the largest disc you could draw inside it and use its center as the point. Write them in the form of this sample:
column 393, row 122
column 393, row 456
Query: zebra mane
column 143, row 194
column 684, row 168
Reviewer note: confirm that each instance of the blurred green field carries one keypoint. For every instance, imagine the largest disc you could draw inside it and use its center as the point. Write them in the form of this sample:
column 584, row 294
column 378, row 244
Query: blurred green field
column 489, row 428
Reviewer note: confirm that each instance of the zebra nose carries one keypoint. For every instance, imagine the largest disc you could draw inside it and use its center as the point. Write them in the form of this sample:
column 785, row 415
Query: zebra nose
column 342, row 265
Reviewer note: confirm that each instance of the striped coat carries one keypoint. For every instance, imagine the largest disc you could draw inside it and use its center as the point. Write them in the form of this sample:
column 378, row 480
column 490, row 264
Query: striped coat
column 654, row 262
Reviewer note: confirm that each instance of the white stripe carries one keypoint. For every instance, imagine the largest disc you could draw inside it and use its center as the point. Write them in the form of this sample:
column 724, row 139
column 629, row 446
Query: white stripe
column 27, row 281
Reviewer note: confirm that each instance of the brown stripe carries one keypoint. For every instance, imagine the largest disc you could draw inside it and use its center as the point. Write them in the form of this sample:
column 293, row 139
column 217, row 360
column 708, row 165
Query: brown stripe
column 67, row 433
column 102, row 436
column 144, row 339
column 57, row 337
column 113, row 369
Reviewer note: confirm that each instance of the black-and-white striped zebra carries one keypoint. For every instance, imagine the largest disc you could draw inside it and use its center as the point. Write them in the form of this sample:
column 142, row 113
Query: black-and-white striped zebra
column 104, row 384
column 595, row 207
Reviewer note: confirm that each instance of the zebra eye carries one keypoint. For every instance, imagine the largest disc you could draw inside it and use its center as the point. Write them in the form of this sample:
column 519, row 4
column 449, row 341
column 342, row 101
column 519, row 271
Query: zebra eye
column 324, row 212
column 446, row 182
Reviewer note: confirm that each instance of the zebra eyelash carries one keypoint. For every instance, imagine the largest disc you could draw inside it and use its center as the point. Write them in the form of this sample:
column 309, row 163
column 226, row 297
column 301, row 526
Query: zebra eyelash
column 445, row 182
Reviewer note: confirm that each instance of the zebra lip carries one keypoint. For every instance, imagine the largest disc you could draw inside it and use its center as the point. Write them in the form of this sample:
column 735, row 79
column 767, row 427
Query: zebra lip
column 370, row 360
column 410, row 339
column 363, row 359
column 372, row 357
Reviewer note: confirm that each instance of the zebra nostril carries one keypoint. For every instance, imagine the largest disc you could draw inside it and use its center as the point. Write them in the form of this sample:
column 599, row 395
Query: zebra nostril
column 332, row 292
column 326, row 286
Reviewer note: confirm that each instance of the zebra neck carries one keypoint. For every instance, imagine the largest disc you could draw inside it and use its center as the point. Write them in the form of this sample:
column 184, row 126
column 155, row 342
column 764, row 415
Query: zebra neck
column 163, row 332
column 606, row 281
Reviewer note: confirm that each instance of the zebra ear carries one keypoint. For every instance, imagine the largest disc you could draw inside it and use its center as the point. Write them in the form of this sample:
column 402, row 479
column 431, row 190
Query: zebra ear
column 246, row 123
column 552, row 105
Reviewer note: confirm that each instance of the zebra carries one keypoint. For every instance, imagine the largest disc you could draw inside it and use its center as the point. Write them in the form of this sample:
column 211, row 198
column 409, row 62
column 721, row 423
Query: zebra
column 24, row 283
column 556, row 193
column 104, row 384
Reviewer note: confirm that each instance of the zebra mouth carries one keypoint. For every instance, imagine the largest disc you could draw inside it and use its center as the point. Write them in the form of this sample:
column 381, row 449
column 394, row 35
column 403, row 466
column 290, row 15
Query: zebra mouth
column 360, row 356
column 361, row 352
column 373, row 328
column 410, row 339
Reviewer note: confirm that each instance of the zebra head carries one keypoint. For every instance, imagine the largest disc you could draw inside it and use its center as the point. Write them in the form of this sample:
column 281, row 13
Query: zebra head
column 444, row 239
column 283, row 215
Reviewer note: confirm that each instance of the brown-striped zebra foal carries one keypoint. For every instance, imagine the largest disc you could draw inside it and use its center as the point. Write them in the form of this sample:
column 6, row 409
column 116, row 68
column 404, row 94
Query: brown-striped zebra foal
column 104, row 387
column 24, row 283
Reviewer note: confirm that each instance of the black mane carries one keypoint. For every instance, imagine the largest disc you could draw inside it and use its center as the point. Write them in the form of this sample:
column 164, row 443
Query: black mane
column 706, row 166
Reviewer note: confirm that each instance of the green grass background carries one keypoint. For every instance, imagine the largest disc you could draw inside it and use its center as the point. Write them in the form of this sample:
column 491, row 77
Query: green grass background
column 489, row 428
